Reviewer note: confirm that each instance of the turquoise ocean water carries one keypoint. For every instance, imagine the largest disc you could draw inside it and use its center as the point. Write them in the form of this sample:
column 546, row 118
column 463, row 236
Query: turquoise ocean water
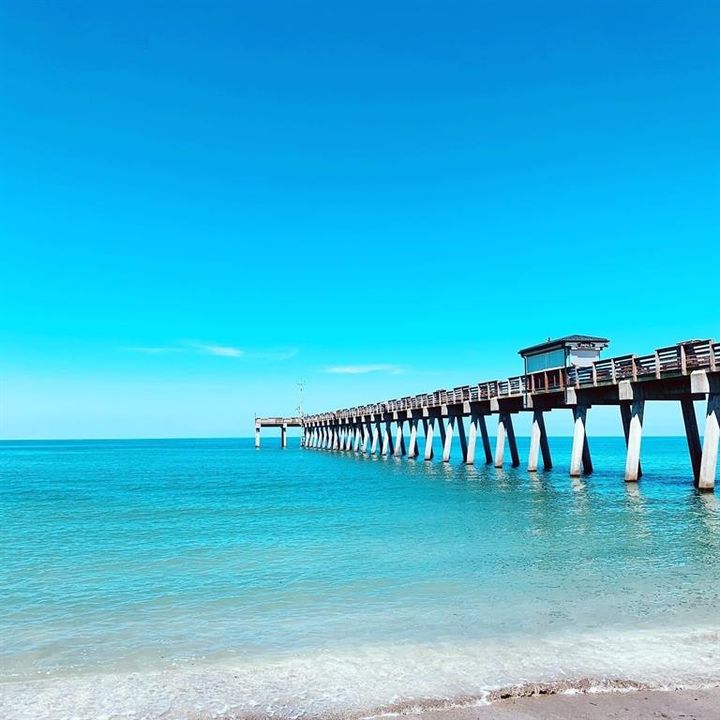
column 187, row 579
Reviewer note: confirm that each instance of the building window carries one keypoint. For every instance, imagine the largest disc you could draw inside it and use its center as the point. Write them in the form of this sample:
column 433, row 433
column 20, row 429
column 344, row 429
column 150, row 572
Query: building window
column 546, row 360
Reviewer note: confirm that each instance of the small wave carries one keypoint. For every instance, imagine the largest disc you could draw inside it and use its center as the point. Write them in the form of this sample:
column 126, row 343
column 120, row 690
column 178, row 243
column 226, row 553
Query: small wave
column 374, row 681
column 582, row 685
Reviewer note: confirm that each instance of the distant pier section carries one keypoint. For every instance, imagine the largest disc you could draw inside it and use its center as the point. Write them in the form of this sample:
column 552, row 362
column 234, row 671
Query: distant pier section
column 276, row 422
column 566, row 373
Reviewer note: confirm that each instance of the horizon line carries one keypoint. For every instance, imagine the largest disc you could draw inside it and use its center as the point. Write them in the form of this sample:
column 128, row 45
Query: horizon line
column 251, row 437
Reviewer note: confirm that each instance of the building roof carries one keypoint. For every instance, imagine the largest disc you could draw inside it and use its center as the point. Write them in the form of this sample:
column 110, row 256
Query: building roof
column 568, row 340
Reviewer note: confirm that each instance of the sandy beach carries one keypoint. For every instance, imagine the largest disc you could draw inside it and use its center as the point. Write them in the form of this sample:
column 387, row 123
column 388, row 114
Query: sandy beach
column 702, row 704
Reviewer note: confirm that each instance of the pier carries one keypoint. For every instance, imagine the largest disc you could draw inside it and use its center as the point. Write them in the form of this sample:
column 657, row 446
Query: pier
column 563, row 374
column 279, row 422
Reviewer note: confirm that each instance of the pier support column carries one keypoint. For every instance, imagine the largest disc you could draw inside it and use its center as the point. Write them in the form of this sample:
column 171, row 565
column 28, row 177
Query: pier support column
column 443, row 434
column 387, row 444
column 358, row 439
column 325, row 442
column 506, row 430
column 374, row 438
column 446, row 433
column 534, row 443
column 482, row 424
column 472, row 440
column 500, row 442
column 693, row 437
column 580, row 461
column 632, row 418
column 429, row 426
column 336, row 437
column 349, row 437
column 367, row 434
column 399, row 439
column 257, row 436
column 539, row 443
column 711, row 440
column 512, row 442
column 462, row 437
column 283, row 436
column 413, row 445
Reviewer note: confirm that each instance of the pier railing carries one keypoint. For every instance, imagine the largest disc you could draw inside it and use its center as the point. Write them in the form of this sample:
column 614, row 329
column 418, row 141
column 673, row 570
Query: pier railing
column 680, row 359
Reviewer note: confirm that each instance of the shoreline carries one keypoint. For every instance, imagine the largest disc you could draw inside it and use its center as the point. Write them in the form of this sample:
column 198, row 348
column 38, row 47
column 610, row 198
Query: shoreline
column 581, row 699
column 567, row 700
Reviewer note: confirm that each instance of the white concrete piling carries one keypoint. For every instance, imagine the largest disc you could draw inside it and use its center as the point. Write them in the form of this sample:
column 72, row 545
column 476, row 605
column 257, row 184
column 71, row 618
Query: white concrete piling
column 460, row 426
column 367, row 434
column 387, row 441
column 538, row 443
column 429, row 426
column 711, row 441
column 448, row 432
column 399, row 440
column 634, row 440
column 500, row 441
column 413, row 444
column 472, row 440
column 376, row 441
column 580, row 457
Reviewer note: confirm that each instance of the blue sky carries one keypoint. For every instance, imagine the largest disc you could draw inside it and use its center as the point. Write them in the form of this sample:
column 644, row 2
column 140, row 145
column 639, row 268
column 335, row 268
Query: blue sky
column 204, row 203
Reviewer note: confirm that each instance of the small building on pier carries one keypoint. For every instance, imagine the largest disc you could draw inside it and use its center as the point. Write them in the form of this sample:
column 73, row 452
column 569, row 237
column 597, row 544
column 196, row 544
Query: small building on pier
column 568, row 351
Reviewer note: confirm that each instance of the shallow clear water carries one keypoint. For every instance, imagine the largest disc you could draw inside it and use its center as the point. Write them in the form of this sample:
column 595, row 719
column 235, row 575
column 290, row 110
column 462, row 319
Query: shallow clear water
column 205, row 577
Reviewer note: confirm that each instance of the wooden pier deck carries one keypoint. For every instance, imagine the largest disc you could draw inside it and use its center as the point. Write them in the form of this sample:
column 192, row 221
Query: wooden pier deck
column 682, row 373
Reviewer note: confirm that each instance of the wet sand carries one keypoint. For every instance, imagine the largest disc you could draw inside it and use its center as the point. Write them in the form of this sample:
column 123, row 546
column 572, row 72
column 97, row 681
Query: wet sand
column 631, row 704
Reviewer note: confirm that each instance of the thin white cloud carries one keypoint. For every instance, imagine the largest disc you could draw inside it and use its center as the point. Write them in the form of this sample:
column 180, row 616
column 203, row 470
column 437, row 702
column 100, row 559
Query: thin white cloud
column 190, row 347
column 219, row 350
column 205, row 348
column 364, row 369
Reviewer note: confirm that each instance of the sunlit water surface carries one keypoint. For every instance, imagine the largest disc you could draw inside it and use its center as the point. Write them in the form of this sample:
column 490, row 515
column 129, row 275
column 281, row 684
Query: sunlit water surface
column 204, row 578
